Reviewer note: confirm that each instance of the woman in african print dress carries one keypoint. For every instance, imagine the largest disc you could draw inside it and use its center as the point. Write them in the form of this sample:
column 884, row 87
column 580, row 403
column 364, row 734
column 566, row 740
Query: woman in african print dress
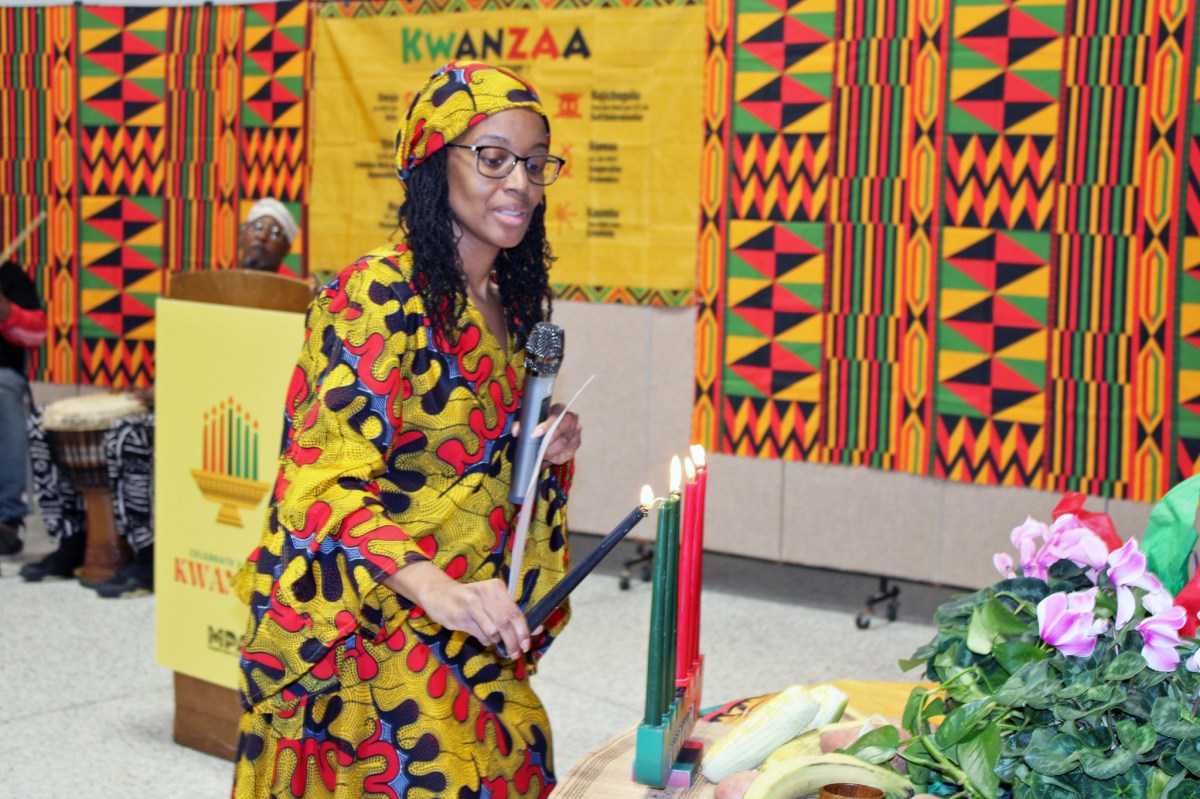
column 377, row 594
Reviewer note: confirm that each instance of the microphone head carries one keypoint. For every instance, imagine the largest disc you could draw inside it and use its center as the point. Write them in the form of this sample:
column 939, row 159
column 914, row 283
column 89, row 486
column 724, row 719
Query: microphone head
column 544, row 349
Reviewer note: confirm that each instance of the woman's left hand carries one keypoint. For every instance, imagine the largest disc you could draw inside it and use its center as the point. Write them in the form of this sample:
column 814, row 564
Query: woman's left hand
column 567, row 437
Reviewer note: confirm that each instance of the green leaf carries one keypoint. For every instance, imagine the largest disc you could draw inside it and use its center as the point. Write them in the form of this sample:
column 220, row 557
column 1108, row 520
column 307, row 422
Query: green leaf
column 1136, row 737
column 978, row 756
column 1052, row 754
column 877, row 746
column 1012, row 655
column 1186, row 789
column 915, row 748
column 1125, row 666
column 961, row 722
column 1188, row 755
column 979, row 636
column 1137, row 704
column 1001, row 620
column 1170, row 717
column 1130, row 784
column 1042, row 786
column 1099, row 767
column 912, row 709
column 1150, row 678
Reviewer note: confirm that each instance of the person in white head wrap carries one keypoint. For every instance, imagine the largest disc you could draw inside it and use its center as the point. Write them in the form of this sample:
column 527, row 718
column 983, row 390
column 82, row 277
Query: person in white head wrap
column 267, row 234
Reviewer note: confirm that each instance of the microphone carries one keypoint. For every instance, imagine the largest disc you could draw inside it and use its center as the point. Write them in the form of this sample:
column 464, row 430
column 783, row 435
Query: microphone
column 543, row 357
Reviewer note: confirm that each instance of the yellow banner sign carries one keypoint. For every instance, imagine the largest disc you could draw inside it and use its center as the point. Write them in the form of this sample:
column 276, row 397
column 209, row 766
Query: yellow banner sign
column 219, row 401
column 623, row 88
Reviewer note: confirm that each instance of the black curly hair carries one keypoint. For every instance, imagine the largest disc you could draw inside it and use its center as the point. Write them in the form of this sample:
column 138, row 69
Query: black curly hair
column 523, row 272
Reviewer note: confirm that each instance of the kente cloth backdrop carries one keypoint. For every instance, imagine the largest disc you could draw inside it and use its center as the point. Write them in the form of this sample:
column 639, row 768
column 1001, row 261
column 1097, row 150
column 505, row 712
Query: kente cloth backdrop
column 957, row 238
column 621, row 84
column 144, row 133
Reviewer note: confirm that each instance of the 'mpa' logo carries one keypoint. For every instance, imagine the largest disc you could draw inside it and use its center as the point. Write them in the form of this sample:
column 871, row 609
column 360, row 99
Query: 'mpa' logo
column 222, row 640
column 507, row 44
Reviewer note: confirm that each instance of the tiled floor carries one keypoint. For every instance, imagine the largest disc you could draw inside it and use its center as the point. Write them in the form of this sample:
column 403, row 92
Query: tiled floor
column 87, row 712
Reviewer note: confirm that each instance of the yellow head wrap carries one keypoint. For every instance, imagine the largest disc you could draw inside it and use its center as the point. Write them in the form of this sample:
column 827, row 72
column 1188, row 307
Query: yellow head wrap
column 458, row 96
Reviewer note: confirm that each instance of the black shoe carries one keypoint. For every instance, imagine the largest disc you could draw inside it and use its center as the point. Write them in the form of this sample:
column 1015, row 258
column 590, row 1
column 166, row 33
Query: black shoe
column 135, row 578
column 10, row 537
column 62, row 563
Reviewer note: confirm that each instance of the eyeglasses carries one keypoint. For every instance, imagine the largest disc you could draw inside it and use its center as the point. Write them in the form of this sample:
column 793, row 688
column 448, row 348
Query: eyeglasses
column 273, row 230
column 496, row 162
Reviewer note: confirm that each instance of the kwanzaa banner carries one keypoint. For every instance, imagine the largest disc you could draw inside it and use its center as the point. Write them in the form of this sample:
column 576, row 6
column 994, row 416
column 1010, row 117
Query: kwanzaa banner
column 958, row 239
column 622, row 86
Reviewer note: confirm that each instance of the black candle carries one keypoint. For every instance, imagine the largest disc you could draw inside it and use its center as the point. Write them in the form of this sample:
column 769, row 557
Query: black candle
column 538, row 614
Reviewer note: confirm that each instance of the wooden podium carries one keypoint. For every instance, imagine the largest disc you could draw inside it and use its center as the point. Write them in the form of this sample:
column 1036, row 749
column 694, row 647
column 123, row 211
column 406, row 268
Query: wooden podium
column 206, row 712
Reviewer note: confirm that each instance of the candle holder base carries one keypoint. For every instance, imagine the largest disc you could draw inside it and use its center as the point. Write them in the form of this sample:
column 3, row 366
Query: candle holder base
column 663, row 755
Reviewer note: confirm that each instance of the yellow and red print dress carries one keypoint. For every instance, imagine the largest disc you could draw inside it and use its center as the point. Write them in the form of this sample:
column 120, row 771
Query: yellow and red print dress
column 396, row 449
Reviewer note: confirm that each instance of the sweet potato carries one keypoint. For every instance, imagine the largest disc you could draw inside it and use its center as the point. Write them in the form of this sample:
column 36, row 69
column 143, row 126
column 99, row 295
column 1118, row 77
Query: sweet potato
column 735, row 785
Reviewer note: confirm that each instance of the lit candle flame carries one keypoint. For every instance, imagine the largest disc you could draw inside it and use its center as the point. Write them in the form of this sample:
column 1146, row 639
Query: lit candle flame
column 647, row 497
column 676, row 474
column 689, row 469
column 698, row 455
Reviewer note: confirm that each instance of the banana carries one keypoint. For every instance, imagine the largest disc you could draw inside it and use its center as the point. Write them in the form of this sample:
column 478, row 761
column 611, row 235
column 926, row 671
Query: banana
column 806, row 743
column 804, row 775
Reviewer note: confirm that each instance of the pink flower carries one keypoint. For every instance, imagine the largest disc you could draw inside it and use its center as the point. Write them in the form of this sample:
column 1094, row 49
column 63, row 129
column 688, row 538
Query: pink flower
column 1004, row 564
column 1070, row 539
column 1065, row 621
column 1157, row 598
column 1160, row 634
column 1127, row 570
column 1025, row 539
column 1192, row 664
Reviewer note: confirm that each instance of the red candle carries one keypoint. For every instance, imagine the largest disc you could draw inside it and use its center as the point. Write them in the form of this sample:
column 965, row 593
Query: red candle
column 683, row 645
column 697, row 561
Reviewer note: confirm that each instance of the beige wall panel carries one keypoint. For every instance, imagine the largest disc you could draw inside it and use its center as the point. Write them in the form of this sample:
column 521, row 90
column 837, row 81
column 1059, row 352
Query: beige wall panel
column 863, row 520
column 610, row 342
column 1129, row 518
column 670, row 381
column 744, row 506
column 977, row 522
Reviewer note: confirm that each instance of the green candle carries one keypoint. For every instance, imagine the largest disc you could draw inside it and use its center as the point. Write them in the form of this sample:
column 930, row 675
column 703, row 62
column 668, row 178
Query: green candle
column 229, row 463
column 656, row 662
column 671, row 572
column 672, row 609
column 255, row 450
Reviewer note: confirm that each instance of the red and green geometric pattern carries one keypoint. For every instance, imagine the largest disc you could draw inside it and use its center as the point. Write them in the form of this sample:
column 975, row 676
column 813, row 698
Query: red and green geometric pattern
column 122, row 115
column 1187, row 399
column 142, row 132
column 993, row 281
column 37, row 111
column 983, row 264
column 276, row 74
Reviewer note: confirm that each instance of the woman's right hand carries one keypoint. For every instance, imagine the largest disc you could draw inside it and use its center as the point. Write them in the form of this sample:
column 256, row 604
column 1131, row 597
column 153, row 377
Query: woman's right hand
column 482, row 610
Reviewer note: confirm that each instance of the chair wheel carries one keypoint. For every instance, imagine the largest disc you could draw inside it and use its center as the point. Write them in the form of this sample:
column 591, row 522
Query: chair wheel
column 893, row 610
column 645, row 574
column 624, row 582
column 862, row 621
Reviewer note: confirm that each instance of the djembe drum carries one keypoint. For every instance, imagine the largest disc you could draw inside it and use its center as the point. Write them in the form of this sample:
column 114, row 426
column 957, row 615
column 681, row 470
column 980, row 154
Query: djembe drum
column 75, row 429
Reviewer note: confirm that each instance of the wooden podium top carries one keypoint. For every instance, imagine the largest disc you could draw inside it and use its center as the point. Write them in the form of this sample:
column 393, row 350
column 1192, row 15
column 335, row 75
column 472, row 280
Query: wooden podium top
column 248, row 288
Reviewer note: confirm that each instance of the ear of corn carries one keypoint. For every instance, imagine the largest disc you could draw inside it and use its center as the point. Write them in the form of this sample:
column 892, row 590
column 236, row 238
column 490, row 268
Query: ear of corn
column 779, row 720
